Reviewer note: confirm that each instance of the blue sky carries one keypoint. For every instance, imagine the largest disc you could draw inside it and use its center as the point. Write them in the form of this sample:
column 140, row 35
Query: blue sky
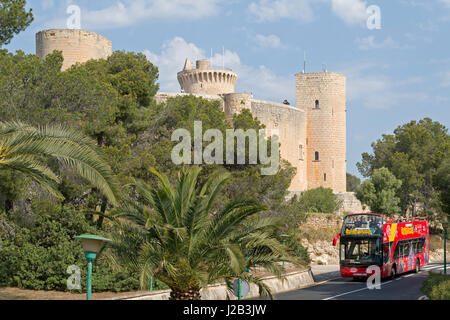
column 395, row 74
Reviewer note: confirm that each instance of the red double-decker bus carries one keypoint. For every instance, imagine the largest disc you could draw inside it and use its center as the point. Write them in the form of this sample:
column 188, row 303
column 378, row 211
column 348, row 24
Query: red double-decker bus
column 394, row 245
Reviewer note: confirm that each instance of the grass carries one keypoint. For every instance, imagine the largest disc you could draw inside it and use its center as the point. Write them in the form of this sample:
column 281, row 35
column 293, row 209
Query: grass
column 437, row 286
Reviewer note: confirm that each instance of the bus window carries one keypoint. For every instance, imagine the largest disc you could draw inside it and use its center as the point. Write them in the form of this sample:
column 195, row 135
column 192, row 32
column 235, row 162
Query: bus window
column 406, row 249
column 420, row 245
column 386, row 252
column 397, row 250
column 361, row 251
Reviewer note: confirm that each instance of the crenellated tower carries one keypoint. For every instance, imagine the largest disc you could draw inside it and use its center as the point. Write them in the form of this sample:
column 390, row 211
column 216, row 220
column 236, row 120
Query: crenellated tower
column 204, row 80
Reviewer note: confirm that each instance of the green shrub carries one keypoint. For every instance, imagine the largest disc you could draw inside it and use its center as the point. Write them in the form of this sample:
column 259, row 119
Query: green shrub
column 38, row 255
column 319, row 200
column 293, row 242
column 437, row 286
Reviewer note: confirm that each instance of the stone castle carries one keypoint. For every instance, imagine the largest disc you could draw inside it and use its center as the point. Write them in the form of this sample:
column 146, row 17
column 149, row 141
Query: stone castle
column 312, row 133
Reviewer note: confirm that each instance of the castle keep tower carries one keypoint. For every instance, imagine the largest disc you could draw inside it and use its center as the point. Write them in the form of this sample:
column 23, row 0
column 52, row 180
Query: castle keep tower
column 76, row 45
column 204, row 80
column 323, row 98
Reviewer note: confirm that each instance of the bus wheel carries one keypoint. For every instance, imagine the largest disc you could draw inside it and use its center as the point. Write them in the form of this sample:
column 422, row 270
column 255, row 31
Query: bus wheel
column 393, row 273
column 417, row 269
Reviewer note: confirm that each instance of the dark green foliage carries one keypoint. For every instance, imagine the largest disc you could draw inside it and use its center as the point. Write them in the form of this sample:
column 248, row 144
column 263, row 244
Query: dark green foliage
column 379, row 192
column 11, row 185
column 111, row 101
column 37, row 253
column 321, row 200
column 14, row 18
column 442, row 182
column 437, row 286
column 293, row 243
column 413, row 154
column 352, row 182
column 181, row 240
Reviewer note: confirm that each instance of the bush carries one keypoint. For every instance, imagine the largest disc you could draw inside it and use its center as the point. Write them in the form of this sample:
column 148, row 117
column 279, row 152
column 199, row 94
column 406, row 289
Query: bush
column 293, row 242
column 319, row 200
column 437, row 286
column 37, row 255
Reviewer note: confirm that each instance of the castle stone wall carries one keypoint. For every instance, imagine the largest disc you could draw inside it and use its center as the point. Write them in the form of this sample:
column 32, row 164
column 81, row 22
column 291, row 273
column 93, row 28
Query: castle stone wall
column 76, row 45
column 290, row 123
column 235, row 103
column 350, row 203
column 325, row 127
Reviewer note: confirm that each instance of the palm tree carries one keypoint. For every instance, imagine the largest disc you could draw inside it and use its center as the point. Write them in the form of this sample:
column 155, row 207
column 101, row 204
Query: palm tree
column 26, row 149
column 173, row 234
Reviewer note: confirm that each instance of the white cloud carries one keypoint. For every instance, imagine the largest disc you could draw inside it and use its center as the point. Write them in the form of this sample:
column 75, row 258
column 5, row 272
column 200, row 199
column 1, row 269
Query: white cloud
column 127, row 12
column 445, row 2
column 47, row 4
column 269, row 41
column 368, row 86
column 370, row 43
column 351, row 11
column 268, row 11
column 260, row 81
column 171, row 60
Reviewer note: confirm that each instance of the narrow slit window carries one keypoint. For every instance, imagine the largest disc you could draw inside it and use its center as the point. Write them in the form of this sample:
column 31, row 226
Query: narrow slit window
column 300, row 152
column 316, row 105
column 316, row 156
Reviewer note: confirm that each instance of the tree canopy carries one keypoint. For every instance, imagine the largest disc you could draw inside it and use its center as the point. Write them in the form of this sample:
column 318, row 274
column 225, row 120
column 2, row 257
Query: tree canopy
column 379, row 192
column 413, row 154
column 14, row 18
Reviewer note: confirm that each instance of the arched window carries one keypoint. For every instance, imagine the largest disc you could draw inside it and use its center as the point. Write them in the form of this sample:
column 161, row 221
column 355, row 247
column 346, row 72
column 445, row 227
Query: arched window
column 316, row 156
column 324, row 177
column 316, row 106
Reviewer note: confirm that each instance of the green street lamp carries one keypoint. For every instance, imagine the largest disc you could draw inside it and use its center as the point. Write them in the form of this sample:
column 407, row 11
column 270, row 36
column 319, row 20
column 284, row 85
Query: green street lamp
column 91, row 246
column 445, row 226
column 284, row 237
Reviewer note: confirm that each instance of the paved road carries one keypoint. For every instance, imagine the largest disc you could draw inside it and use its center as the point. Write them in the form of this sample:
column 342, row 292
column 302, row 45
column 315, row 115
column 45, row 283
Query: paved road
column 405, row 287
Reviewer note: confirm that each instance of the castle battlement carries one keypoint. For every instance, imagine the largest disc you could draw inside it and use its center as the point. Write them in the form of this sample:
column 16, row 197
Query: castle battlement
column 204, row 80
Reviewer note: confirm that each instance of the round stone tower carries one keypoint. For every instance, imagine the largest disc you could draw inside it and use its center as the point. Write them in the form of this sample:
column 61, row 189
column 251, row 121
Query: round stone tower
column 323, row 98
column 76, row 45
column 204, row 80
column 236, row 102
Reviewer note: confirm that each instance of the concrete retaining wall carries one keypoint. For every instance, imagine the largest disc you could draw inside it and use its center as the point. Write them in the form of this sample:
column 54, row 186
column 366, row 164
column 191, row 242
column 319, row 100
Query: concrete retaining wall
column 292, row 281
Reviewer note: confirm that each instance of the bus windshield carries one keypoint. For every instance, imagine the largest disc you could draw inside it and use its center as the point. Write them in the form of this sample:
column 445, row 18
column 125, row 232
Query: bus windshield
column 361, row 251
column 363, row 224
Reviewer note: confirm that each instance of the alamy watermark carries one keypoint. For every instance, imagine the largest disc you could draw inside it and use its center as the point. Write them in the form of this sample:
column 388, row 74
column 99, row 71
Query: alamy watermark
column 374, row 281
column 74, row 281
column 74, row 20
column 213, row 153
column 374, row 19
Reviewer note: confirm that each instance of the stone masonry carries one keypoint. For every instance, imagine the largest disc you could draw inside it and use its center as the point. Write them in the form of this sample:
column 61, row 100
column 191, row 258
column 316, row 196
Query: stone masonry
column 76, row 45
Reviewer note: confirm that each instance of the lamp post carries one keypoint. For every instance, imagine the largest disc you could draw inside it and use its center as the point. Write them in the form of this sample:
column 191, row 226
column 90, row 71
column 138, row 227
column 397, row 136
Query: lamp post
column 445, row 226
column 91, row 246
column 284, row 237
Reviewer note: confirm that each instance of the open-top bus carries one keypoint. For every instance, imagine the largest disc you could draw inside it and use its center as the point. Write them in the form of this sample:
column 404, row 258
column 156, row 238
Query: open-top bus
column 396, row 246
